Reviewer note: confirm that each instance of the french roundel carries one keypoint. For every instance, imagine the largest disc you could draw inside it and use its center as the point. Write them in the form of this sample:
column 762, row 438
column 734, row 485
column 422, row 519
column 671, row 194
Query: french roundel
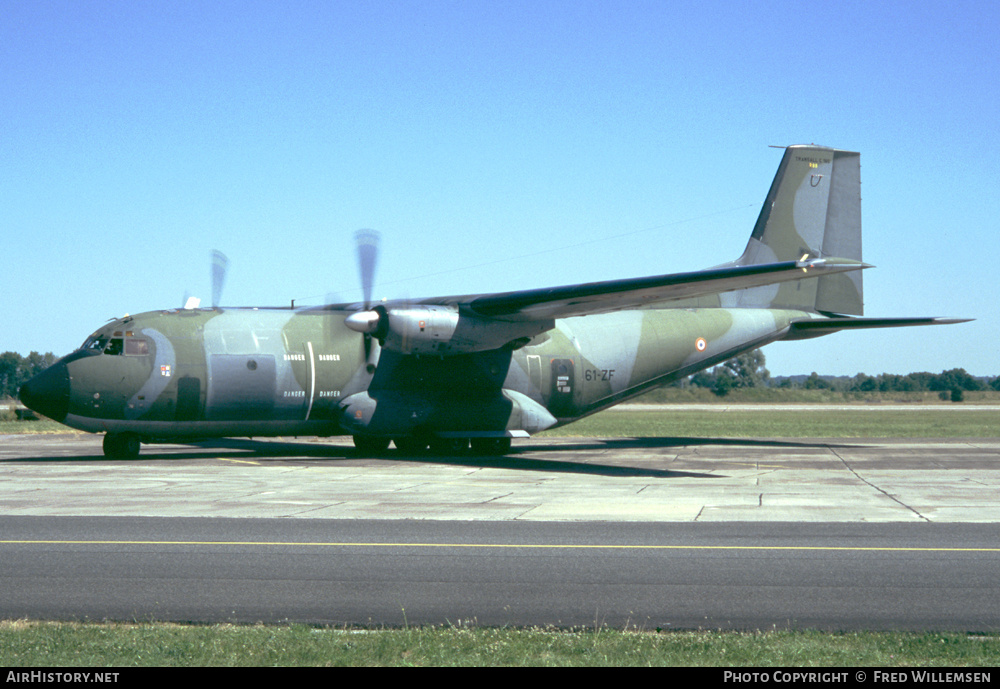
column 700, row 344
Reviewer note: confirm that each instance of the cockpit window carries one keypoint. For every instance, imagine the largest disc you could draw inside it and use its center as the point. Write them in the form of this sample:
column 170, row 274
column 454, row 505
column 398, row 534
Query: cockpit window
column 136, row 346
column 131, row 346
column 94, row 343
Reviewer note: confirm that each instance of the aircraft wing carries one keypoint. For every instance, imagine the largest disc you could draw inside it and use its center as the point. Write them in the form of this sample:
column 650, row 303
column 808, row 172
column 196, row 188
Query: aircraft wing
column 474, row 323
column 616, row 295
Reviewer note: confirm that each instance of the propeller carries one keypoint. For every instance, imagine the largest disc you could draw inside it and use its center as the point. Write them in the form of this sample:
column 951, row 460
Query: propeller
column 220, row 264
column 367, row 247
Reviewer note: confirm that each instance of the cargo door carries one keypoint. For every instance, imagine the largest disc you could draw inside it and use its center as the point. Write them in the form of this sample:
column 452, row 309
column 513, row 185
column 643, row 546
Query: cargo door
column 240, row 387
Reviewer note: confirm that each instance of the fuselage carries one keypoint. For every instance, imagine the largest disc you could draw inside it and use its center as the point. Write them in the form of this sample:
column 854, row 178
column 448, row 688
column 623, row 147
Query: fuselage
column 196, row 373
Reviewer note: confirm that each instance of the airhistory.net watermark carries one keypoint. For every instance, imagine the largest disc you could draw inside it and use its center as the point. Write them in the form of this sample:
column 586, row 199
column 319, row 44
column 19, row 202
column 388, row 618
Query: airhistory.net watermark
column 43, row 676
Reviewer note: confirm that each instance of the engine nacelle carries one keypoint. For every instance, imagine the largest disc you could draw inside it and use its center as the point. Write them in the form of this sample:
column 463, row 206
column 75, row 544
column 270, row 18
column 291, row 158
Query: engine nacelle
column 439, row 330
column 420, row 329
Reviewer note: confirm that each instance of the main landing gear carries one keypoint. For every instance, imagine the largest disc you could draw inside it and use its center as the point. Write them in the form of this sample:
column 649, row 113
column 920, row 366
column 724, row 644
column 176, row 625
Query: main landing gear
column 371, row 444
column 491, row 447
column 121, row 445
column 444, row 447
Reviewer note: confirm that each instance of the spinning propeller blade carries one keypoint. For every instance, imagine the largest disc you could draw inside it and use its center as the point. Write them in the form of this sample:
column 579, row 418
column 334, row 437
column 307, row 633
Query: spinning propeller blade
column 367, row 246
column 367, row 243
column 220, row 264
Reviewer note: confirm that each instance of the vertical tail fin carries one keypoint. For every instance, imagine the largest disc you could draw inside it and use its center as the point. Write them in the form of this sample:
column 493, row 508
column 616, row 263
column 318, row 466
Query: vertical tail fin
column 812, row 209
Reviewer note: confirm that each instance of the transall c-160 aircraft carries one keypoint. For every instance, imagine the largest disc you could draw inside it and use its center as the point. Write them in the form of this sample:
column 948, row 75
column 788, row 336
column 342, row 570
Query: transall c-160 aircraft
column 475, row 369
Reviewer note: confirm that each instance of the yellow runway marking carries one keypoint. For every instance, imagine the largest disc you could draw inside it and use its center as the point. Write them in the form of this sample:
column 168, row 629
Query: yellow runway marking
column 529, row 546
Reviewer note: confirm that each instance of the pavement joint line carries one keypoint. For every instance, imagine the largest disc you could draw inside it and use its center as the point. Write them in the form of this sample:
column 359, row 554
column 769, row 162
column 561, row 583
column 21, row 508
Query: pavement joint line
column 952, row 480
column 872, row 485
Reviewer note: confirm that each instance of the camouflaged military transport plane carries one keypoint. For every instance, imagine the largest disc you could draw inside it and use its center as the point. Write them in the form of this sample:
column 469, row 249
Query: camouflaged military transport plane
column 482, row 368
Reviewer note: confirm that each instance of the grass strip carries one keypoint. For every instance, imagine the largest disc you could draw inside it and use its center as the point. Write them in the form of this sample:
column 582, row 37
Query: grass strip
column 779, row 423
column 26, row 644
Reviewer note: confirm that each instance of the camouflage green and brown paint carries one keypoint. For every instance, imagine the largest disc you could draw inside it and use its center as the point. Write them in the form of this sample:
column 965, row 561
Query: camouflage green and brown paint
column 477, row 367
column 219, row 372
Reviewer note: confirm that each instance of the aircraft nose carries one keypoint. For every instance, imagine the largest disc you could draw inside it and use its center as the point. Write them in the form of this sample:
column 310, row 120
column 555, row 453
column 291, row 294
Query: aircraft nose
column 48, row 392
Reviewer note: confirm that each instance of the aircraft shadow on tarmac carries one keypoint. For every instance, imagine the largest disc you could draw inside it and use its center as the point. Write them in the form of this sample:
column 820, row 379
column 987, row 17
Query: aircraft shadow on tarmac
column 554, row 460
column 514, row 460
column 651, row 443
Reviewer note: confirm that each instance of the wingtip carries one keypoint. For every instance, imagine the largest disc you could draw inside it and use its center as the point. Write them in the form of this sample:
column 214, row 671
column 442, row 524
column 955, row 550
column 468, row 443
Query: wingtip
column 951, row 321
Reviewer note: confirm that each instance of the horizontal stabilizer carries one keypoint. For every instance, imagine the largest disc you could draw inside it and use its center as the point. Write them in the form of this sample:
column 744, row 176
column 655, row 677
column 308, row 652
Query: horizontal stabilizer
column 815, row 327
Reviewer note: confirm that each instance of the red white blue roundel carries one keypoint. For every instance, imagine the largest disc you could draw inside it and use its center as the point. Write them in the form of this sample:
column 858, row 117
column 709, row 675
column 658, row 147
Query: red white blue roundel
column 700, row 344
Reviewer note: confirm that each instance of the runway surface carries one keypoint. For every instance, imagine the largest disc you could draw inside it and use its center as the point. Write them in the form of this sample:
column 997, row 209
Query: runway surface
column 655, row 533
column 649, row 576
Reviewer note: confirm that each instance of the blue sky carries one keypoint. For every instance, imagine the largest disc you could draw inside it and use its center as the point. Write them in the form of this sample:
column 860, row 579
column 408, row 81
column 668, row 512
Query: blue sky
column 495, row 146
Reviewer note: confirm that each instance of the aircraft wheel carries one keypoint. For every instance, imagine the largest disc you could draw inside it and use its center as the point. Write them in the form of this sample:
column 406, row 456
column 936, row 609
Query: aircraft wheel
column 121, row 445
column 493, row 447
column 449, row 446
column 371, row 444
column 410, row 444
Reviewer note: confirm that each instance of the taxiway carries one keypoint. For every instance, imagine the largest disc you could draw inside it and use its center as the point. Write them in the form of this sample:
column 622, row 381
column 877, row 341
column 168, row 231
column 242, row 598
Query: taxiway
column 557, row 479
column 649, row 533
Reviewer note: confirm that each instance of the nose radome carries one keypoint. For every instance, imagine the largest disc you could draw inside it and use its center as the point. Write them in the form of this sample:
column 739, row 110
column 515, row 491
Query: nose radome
column 48, row 392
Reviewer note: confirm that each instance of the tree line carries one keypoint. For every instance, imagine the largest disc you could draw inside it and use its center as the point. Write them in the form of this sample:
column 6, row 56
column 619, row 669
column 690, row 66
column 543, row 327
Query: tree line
column 749, row 371
column 16, row 369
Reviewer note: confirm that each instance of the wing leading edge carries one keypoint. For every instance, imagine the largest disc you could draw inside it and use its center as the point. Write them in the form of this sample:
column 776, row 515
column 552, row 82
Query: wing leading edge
column 476, row 323
column 616, row 295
